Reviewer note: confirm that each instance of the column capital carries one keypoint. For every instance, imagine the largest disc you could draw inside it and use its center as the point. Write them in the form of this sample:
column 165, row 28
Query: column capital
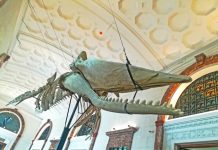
column 159, row 123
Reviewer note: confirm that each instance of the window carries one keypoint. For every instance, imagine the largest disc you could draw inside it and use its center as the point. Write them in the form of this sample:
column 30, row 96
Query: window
column 45, row 133
column 87, row 127
column 9, row 122
column 90, row 128
column 42, row 134
column 118, row 148
column 200, row 96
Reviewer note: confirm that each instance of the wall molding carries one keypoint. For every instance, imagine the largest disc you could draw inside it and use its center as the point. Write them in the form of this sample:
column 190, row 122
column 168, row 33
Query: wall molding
column 193, row 123
column 209, row 49
column 204, row 144
column 94, row 134
column 202, row 127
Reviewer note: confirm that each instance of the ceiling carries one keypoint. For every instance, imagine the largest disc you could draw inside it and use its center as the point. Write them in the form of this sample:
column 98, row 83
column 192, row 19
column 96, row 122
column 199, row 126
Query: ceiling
column 44, row 36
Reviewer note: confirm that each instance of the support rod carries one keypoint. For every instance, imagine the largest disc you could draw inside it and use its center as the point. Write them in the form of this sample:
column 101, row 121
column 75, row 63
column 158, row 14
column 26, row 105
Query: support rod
column 67, row 128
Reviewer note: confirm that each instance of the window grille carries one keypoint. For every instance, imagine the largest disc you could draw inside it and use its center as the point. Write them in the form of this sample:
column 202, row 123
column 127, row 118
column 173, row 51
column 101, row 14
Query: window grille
column 200, row 96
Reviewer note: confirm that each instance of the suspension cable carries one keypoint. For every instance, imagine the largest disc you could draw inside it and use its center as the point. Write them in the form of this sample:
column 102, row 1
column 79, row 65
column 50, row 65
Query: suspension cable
column 68, row 111
column 121, row 41
column 50, row 21
column 136, row 85
column 32, row 9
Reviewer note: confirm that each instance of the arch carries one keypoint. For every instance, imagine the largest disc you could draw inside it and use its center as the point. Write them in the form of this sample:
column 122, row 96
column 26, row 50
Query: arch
column 21, row 120
column 202, row 62
column 43, row 133
column 9, row 121
column 200, row 96
column 74, row 131
column 87, row 126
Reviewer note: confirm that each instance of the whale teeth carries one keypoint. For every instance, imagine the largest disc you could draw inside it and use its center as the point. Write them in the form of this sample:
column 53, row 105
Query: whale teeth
column 137, row 101
column 157, row 103
column 179, row 111
column 125, row 101
column 143, row 102
column 110, row 99
column 150, row 102
column 130, row 102
column 170, row 106
column 164, row 104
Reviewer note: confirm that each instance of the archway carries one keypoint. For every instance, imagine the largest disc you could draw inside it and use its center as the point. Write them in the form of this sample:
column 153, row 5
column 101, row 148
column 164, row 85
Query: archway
column 202, row 66
column 11, row 127
column 42, row 136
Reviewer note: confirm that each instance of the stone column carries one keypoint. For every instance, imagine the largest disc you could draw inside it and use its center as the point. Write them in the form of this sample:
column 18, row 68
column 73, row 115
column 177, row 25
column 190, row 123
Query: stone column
column 158, row 145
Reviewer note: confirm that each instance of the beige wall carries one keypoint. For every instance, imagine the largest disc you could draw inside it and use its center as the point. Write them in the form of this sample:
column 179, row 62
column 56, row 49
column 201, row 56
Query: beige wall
column 10, row 20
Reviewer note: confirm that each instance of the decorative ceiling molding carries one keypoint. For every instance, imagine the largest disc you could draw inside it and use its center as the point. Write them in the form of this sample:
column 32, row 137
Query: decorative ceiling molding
column 44, row 43
column 178, row 66
column 163, row 24
column 133, row 31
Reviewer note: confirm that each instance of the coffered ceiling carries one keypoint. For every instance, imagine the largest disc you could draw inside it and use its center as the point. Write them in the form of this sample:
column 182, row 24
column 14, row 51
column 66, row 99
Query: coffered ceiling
column 45, row 36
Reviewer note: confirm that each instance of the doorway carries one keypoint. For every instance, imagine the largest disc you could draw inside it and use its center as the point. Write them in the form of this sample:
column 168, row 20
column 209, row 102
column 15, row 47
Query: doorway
column 205, row 145
column 208, row 148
